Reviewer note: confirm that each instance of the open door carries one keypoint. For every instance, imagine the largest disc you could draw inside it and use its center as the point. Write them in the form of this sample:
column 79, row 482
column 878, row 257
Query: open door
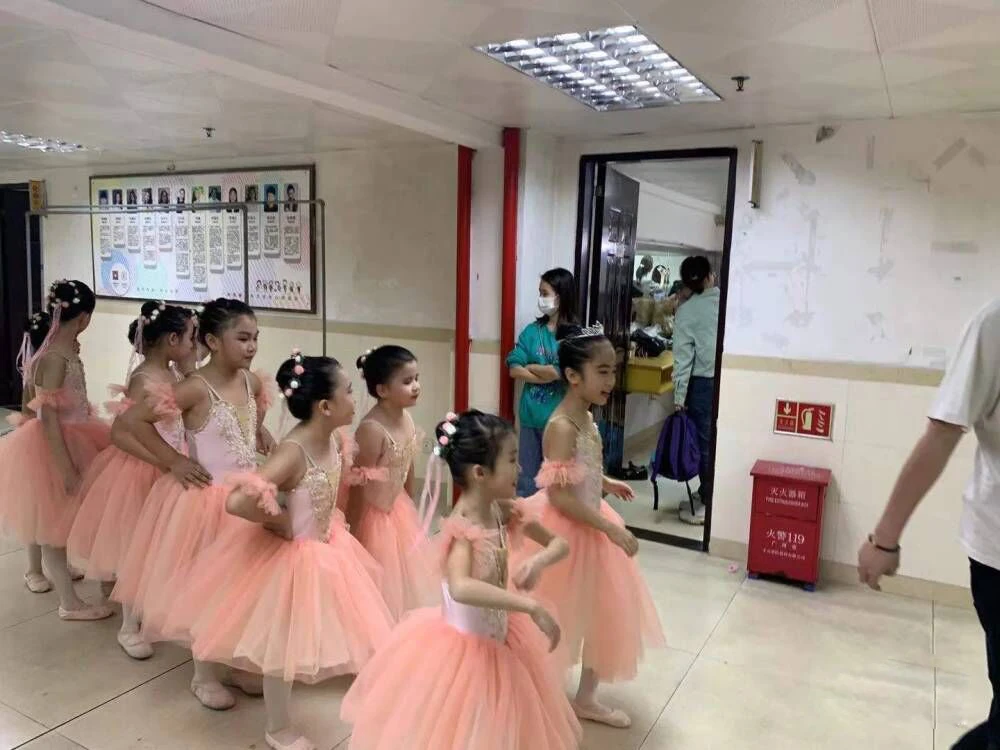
column 616, row 210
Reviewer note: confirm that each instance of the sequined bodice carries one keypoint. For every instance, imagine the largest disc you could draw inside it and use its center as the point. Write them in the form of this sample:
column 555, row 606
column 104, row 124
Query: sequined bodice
column 78, row 408
column 489, row 564
column 312, row 505
column 590, row 454
column 227, row 441
column 397, row 461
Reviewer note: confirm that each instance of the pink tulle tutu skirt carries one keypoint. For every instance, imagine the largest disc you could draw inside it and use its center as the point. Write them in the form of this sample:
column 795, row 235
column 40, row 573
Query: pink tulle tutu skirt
column 113, row 492
column 602, row 603
column 175, row 525
column 432, row 687
column 394, row 539
column 300, row 610
column 34, row 506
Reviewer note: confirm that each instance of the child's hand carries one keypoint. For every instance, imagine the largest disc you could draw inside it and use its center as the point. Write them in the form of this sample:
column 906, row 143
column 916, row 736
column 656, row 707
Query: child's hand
column 526, row 577
column 619, row 489
column 71, row 480
column 190, row 473
column 265, row 441
column 547, row 624
column 624, row 539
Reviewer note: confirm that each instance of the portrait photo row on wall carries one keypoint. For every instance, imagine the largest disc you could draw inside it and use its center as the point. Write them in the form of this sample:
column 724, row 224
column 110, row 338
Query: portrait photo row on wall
column 245, row 234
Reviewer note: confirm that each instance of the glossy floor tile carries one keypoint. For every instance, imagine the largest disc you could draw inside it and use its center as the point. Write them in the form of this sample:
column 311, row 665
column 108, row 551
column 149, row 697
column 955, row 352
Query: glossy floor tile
column 749, row 664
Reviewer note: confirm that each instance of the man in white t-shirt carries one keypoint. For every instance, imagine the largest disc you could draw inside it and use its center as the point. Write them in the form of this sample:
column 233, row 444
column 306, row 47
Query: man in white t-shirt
column 969, row 399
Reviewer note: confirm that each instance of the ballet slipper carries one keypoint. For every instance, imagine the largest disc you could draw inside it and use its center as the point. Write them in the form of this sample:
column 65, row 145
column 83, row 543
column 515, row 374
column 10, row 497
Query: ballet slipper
column 86, row 613
column 135, row 646
column 213, row 696
column 245, row 682
column 299, row 743
column 37, row 583
column 612, row 717
column 75, row 574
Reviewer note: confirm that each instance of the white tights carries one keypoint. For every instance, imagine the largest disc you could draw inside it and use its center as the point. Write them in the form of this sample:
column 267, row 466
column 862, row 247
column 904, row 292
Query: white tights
column 58, row 570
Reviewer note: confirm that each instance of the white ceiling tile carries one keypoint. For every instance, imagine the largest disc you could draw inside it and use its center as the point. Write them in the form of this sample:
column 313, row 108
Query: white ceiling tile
column 847, row 26
column 900, row 23
column 760, row 19
column 410, row 20
column 903, row 69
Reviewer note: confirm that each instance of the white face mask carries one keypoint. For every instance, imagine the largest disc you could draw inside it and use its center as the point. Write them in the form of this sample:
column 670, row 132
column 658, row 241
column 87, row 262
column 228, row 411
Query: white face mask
column 548, row 305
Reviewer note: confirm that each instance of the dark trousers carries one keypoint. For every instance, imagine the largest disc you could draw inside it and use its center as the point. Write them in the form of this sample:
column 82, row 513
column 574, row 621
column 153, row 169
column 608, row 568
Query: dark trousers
column 985, row 582
column 700, row 407
column 529, row 455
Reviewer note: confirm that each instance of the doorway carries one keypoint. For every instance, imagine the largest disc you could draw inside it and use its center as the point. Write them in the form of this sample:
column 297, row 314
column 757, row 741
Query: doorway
column 640, row 217
column 14, row 285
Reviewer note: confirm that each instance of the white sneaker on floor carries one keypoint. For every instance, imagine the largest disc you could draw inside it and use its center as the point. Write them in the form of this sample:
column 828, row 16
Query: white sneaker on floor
column 697, row 518
column 686, row 503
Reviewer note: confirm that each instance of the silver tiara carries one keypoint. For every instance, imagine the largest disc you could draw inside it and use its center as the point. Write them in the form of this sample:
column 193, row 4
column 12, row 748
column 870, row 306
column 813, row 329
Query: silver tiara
column 590, row 331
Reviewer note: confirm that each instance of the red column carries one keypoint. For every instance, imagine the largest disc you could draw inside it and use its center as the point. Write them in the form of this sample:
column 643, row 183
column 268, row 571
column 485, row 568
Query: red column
column 463, row 272
column 508, row 273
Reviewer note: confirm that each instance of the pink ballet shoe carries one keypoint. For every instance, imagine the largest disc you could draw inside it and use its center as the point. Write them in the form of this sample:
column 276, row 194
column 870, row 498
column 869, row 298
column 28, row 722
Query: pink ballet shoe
column 37, row 583
column 86, row 613
column 213, row 696
column 245, row 682
column 612, row 717
column 299, row 743
column 75, row 574
column 134, row 645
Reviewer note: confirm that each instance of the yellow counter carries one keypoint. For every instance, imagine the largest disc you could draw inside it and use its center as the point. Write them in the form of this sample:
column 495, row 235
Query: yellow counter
column 650, row 375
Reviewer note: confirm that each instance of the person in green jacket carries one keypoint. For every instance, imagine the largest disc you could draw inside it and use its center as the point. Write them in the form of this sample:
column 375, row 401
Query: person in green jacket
column 534, row 362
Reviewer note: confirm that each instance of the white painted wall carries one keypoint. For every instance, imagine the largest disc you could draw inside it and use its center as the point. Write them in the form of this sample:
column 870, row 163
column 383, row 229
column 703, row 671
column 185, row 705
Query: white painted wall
column 874, row 246
column 666, row 216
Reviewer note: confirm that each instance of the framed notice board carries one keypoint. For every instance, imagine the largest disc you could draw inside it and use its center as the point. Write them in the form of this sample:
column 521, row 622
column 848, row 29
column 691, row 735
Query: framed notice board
column 172, row 237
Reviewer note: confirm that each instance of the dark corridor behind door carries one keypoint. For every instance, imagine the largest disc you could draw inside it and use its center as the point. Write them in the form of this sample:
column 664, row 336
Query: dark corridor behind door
column 14, row 205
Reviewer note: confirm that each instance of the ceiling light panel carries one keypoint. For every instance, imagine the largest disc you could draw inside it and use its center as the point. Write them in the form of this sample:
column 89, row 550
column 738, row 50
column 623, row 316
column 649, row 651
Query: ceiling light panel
column 608, row 70
column 35, row 143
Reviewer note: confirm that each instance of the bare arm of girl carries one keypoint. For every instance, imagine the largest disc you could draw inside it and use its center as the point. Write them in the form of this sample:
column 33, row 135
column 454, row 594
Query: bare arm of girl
column 124, row 439
column 371, row 446
column 50, row 376
column 265, row 441
column 466, row 589
column 559, row 444
column 283, row 469
column 554, row 549
column 141, row 419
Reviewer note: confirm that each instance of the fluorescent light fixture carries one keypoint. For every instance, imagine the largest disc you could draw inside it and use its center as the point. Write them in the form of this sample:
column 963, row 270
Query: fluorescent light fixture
column 610, row 69
column 48, row 145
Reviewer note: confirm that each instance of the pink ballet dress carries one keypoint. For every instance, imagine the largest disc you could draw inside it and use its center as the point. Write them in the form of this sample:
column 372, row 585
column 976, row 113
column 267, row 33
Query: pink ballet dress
column 602, row 603
column 460, row 677
column 34, row 506
column 113, row 491
column 177, row 523
column 388, row 528
column 304, row 609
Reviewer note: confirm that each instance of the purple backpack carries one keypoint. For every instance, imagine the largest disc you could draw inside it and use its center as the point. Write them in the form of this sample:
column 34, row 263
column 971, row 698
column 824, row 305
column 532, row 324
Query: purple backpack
column 678, row 455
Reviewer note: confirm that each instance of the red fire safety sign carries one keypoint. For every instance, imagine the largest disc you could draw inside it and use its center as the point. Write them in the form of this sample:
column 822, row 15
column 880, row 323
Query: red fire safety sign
column 805, row 420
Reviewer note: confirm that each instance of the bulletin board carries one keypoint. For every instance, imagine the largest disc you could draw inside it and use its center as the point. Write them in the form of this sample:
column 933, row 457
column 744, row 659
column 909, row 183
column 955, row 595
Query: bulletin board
column 202, row 250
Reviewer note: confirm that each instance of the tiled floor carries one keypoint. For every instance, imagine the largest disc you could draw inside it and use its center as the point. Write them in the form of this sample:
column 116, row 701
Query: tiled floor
column 751, row 665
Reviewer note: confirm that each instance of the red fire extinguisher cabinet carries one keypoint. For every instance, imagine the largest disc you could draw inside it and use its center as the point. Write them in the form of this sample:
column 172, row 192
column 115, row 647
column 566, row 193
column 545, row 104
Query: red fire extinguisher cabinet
column 786, row 521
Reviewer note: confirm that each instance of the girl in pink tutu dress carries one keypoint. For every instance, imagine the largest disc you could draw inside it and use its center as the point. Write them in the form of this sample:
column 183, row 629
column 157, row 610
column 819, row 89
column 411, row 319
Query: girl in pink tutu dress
column 222, row 406
column 292, row 595
column 382, row 513
column 118, row 481
column 474, row 673
column 41, row 463
column 602, row 603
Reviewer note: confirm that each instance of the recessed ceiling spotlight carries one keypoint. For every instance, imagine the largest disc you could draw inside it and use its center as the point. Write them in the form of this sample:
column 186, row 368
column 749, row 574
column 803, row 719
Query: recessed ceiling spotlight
column 48, row 145
column 587, row 64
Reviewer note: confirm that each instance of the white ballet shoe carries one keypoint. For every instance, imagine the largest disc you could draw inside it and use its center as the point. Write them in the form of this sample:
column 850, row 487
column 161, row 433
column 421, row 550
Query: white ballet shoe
column 612, row 717
column 37, row 583
column 213, row 695
column 245, row 682
column 299, row 743
column 87, row 613
column 134, row 645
